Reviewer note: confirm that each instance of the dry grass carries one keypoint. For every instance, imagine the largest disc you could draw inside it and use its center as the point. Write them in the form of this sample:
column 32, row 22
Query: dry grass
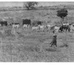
column 28, row 45
column 34, row 47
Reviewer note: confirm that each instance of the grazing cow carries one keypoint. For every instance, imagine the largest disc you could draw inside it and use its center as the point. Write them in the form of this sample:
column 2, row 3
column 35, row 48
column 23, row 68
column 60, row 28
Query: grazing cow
column 35, row 28
column 25, row 26
column 39, row 22
column 27, row 21
column 41, row 27
column 48, row 27
column 64, row 27
column 3, row 23
column 36, row 23
column 15, row 25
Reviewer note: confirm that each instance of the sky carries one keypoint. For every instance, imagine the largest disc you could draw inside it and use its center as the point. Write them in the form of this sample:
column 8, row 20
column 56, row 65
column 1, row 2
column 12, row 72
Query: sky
column 11, row 4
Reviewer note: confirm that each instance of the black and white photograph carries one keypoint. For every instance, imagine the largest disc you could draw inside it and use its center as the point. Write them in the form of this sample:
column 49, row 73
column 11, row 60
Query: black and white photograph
column 35, row 31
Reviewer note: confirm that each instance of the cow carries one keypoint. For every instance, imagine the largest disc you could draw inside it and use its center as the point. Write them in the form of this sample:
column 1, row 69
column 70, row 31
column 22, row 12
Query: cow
column 47, row 27
column 27, row 21
column 35, row 28
column 3, row 23
column 41, row 27
column 36, row 23
column 25, row 26
column 39, row 22
column 64, row 27
column 15, row 25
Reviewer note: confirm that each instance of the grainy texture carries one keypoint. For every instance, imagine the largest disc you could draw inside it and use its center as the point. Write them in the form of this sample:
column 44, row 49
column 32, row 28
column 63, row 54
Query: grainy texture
column 26, row 45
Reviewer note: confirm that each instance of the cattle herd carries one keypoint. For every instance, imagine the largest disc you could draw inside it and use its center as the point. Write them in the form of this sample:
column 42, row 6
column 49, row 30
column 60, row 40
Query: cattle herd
column 38, row 25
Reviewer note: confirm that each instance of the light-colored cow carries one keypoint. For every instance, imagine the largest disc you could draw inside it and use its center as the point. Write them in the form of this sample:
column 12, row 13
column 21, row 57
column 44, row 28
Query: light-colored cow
column 15, row 25
column 48, row 26
column 35, row 28
column 25, row 26
column 41, row 27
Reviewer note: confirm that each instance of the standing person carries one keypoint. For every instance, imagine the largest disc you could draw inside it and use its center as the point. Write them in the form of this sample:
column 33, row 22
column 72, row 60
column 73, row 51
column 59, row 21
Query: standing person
column 54, row 40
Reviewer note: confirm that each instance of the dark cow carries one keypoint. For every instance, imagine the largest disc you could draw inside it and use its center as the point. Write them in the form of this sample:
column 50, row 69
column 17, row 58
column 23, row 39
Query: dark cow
column 3, row 23
column 64, row 27
column 39, row 22
column 27, row 21
column 36, row 23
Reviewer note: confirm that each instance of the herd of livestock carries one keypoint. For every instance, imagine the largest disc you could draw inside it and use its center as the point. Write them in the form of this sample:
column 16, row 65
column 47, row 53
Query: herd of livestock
column 38, row 25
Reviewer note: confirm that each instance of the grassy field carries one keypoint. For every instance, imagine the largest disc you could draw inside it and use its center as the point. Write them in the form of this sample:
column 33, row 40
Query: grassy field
column 28, row 45
column 43, row 15
column 35, row 47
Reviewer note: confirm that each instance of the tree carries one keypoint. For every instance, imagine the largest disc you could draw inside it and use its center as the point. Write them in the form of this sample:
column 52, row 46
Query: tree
column 30, row 5
column 62, row 13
